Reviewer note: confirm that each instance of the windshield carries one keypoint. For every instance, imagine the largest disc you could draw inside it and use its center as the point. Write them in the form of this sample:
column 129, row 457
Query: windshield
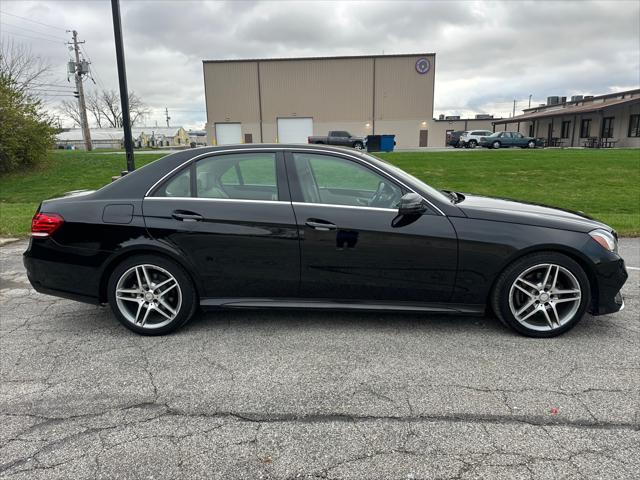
column 410, row 179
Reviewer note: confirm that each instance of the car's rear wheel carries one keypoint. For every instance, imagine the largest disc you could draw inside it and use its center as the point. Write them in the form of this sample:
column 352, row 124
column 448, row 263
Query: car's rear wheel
column 531, row 144
column 151, row 295
column 472, row 144
column 542, row 294
column 495, row 144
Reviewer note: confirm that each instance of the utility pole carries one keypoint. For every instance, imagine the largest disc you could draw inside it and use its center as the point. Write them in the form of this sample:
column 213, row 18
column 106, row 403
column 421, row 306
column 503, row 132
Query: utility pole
column 79, row 72
column 166, row 114
column 514, row 107
column 122, row 77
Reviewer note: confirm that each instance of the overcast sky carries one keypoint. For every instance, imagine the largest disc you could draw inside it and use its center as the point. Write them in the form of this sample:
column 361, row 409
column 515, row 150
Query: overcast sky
column 487, row 53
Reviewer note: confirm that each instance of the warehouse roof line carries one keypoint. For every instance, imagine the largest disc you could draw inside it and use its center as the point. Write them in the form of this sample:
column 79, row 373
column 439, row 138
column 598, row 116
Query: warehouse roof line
column 338, row 57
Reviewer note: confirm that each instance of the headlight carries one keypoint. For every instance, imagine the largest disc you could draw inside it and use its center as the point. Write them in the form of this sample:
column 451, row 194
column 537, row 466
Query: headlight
column 605, row 239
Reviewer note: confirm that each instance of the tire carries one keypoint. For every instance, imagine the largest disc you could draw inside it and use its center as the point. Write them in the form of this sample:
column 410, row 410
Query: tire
column 358, row 145
column 531, row 144
column 553, row 309
column 496, row 145
column 151, row 312
column 472, row 144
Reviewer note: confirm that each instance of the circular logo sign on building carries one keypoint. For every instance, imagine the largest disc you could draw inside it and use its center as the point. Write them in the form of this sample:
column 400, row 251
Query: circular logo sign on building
column 422, row 65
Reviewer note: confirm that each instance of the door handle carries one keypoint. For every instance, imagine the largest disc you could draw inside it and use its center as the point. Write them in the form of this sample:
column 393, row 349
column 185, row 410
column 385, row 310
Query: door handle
column 321, row 225
column 187, row 216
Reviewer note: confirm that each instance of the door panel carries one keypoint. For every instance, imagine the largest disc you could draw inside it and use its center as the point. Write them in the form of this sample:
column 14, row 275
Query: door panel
column 240, row 248
column 360, row 255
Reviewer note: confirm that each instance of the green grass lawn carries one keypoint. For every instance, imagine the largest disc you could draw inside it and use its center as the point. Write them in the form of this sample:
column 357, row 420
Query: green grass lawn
column 603, row 183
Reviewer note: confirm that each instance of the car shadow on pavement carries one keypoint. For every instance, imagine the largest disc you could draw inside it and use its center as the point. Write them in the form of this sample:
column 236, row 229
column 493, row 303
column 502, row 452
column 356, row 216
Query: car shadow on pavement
column 282, row 319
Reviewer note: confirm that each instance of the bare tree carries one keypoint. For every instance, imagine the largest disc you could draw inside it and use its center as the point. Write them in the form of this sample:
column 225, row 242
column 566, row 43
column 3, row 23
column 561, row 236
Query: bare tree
column 20, row 67
column 106, row 109
column 71, row 110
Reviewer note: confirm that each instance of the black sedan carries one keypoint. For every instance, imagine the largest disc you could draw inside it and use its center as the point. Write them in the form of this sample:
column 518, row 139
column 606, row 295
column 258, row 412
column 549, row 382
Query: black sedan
column 316, row 227
column 509, row 139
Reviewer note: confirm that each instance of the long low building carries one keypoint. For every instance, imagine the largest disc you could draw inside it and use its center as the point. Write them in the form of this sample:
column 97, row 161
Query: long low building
column 286, row 100
column 583, row 121
column 114, row 137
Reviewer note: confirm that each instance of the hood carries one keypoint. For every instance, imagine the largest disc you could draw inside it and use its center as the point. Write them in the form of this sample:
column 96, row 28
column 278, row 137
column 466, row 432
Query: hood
column 505, row 210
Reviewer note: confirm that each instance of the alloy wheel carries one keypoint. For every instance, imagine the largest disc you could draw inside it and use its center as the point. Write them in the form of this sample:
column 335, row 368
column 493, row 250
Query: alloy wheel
column 545, row 297
column 148, row 296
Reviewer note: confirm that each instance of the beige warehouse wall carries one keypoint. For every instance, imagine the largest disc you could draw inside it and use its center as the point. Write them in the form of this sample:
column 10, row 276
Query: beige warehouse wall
column 326, row 89
column 401, row 92
column 231, row 91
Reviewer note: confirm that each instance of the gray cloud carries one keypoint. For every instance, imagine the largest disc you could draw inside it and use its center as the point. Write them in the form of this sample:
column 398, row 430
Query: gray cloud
column 488, row 53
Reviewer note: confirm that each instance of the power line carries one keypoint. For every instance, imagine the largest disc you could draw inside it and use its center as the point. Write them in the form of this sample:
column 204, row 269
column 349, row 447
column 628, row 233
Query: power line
column 33, row 31
column 32, row 37
column 32, row 21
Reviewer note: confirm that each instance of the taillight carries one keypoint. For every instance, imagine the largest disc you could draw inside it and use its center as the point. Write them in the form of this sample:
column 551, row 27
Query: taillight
column 44, row 224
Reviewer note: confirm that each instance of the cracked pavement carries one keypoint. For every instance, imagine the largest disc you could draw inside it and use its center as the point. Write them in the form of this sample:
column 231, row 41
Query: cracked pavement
column 281, row 394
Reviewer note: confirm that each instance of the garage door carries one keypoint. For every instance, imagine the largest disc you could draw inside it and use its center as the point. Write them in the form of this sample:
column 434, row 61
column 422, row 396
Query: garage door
column 294, row 130
column 228, row 133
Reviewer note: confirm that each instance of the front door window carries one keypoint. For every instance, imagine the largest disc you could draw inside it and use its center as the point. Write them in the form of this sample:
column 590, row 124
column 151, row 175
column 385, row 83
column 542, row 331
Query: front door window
column 330, row 180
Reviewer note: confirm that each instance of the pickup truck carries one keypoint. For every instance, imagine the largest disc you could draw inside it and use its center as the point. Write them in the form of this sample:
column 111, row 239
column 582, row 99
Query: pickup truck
column 341, row 138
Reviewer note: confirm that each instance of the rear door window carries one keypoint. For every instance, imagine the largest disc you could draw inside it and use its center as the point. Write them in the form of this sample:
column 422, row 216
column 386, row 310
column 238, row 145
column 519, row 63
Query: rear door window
column 242, row 176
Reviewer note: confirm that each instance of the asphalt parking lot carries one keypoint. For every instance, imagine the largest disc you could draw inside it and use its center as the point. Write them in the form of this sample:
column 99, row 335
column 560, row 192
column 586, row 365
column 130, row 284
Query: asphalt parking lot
column 256, row 394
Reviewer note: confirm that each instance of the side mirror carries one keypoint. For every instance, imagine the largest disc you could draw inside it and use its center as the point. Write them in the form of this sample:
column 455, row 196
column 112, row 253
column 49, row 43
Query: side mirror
column 411, row 204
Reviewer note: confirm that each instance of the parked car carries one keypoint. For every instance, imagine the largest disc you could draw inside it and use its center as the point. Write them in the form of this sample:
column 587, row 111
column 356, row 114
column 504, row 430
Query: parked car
column 509, row 139
column 470, row 139
column 316, row 227
column 339, row 138
column 453, row 138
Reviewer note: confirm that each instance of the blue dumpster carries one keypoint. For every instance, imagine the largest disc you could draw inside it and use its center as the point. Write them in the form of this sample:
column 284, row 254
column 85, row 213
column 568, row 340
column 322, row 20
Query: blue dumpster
column 387, row 142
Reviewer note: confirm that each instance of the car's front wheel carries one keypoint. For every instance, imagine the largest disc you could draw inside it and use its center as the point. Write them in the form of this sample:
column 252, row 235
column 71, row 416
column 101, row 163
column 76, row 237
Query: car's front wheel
column 495, row 144
column 531, row 144
column 542, row 294
column 151, row 295
column 472, row 144
column 358, row 145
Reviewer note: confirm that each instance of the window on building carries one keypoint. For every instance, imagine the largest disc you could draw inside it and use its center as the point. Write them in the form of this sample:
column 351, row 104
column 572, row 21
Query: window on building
column 634, row 126
column 566, row 126
column 607, row 127
column 532, row 131
column 585, row 128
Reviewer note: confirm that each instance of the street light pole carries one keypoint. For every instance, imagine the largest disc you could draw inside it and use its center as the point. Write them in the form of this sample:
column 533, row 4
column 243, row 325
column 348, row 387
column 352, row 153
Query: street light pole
column 530, row 95
column 122, row 77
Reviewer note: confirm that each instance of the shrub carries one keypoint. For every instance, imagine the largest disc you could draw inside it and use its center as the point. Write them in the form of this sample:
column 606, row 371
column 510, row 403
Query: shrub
column 26, row 132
